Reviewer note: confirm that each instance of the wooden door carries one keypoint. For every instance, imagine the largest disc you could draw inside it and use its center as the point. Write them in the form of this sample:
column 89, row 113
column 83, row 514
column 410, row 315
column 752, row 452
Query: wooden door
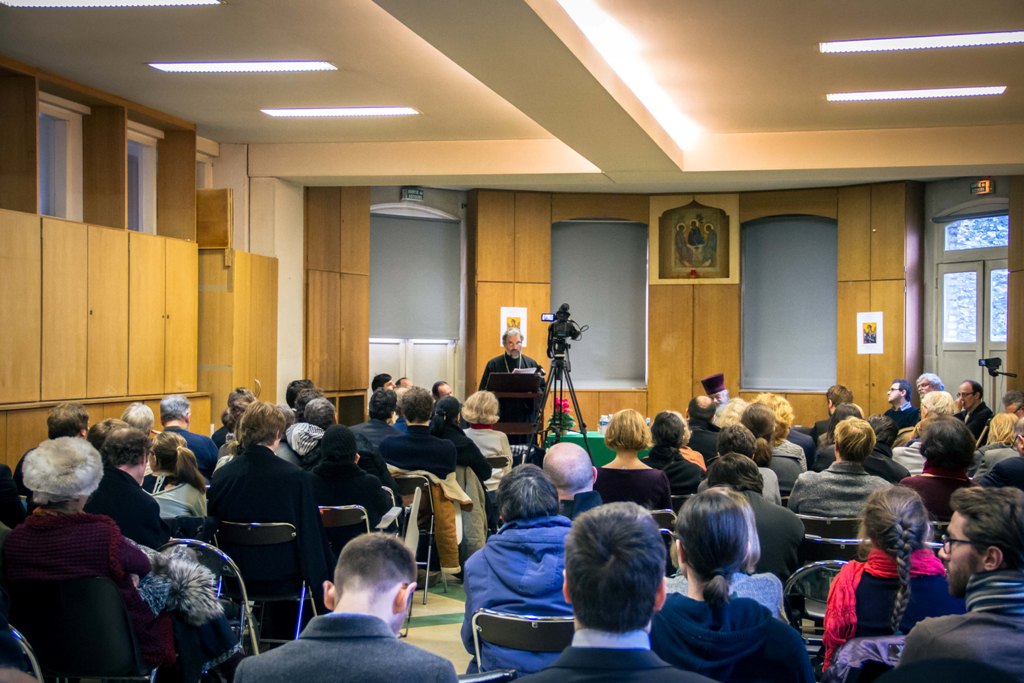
column 243, row 364
column 108, row 312
column 65, row 309
column 263, row 316
column 146, row 318
column 181, row 352
column 20, row 306
column 354, row 347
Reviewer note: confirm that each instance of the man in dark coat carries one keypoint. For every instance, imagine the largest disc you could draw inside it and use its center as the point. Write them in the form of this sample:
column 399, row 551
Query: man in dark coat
column 369, row 434
column 417, row 449
column 973, row 410
column 176, row 416
column 703, row 434
column 120, row 495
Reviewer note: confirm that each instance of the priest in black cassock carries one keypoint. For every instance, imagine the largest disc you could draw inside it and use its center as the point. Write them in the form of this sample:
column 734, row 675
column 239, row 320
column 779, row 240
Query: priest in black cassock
column 513, row 410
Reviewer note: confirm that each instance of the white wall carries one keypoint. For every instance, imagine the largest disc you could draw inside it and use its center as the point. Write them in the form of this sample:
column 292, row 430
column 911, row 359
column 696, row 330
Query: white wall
column 230, row 169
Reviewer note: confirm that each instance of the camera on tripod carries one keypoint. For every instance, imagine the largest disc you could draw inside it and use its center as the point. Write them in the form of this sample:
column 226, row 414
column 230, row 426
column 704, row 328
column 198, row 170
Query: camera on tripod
column 561, row 329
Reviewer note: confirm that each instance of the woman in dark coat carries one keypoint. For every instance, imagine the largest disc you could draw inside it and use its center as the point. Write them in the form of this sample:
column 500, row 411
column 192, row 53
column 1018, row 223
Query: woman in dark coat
column 670, row 433
column 445, row 425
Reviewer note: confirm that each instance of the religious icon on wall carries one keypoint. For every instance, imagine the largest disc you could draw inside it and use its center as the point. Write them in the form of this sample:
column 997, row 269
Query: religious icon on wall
column 693, row 242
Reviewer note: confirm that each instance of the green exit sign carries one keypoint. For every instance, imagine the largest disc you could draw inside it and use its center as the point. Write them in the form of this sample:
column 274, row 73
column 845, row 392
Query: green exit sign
column 983, row 186
column 412, row 194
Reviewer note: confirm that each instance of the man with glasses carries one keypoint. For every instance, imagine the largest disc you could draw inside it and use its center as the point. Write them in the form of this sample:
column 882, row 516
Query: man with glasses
column 973, row 410
column 1013, row 402
column 984, row 553
column 903, row 413
column 929, row 381
column 1009, row 472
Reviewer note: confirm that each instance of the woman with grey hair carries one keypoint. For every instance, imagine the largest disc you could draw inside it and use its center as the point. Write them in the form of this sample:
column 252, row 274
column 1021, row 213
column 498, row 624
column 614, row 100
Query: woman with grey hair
column 519, row 570
column 140, row 416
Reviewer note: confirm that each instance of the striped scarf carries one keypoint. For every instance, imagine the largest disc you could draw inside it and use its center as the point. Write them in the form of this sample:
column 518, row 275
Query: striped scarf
column 1000, row 592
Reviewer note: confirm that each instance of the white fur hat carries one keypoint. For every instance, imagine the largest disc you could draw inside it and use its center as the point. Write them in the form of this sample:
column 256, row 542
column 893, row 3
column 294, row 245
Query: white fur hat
column 62, row 469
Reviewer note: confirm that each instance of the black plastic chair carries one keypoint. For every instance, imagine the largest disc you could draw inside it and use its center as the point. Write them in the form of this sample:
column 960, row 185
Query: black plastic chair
column 342, row 523
column 817, row 549
column 267, row 537
column 520, row 632
column 218, row 562
column 806, row 595
column 79, row 628
column 678, row 500
column 407, row 485
column 186, row 526
column 665, row 519
column 28, row 652
column 831, row 527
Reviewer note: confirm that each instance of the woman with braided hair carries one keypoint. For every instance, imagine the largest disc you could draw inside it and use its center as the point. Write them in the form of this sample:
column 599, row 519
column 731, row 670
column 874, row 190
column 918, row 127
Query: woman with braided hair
column 900, row 581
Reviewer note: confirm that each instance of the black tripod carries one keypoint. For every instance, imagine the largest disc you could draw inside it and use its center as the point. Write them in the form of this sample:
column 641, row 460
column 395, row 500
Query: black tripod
column 558, row 380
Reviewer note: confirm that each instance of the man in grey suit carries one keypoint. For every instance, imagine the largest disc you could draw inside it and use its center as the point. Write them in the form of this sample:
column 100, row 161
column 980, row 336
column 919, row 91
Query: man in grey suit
column 357, row 641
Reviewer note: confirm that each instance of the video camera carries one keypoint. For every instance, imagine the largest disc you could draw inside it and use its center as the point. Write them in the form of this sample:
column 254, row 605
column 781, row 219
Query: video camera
column 561, row 329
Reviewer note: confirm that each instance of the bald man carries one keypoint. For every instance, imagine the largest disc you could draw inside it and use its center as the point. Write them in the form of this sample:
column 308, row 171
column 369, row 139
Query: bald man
column 573, row 474
column 703, row 432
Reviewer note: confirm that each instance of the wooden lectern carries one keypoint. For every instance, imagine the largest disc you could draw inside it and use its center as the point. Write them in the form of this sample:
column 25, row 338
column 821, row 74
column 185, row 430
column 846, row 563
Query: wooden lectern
column 518, row 397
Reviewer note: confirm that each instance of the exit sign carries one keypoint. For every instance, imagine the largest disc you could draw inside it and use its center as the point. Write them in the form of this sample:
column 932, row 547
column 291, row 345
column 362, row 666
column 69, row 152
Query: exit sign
column 983, row 186
column 412, row 194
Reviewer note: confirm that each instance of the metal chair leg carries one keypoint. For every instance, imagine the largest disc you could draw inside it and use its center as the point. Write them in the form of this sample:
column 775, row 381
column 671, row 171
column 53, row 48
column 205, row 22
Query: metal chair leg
column 302, row 605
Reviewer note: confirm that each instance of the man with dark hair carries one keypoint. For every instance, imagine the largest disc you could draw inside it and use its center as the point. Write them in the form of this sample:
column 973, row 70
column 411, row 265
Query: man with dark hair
column 357, row 641
column 1009, row 472
column 573, row 473
column 64, row 419
column 703, row 433
column 973, row 411
column 519, row 569
column 417, row 449
column 984, row 552
column 403, row 383
column 295, row 387
column 176, row 416
column 834, row 395
column 880, row 462
column 440, row 390
column 739, row 439
column 369, row 434
column 239, row 399
column 120, row 495
column 1013, row 402
column 779, row 529
column 615, row 582
column 381, row 381
column 303, row 399
column 903, row 412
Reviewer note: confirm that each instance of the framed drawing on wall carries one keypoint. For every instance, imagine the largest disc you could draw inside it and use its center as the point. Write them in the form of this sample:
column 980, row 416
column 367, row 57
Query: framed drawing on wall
column 694, row 240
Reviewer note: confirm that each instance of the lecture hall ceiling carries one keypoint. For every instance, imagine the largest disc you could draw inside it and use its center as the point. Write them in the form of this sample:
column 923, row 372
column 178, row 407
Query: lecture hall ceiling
column 511, row 94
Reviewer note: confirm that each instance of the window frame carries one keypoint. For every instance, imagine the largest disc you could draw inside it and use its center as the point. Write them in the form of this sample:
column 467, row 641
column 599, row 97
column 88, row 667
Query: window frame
column 71, row 113
column 148, row 139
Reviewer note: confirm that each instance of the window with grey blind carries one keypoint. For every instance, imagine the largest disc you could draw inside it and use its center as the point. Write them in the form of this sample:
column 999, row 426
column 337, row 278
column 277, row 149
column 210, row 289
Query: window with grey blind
column 789, row 303
column 600, row 270
column 414, row 278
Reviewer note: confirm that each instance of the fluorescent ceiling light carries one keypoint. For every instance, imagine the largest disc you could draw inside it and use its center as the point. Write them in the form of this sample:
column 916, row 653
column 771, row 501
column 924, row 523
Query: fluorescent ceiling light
column 82, row 4
column 914, row 94
column 328, row 112
column 623, row 53
column 241, row 67
column 923, row 42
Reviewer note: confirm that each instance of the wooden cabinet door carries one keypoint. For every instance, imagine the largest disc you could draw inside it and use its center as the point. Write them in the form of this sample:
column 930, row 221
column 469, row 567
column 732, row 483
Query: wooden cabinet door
column 242, row 360
column 354, row 345
column 20, row 306
column 263, row 315
column 146, row 266
column 108, row 312
column 65, row 309
column 181, row 352
column 323, row 327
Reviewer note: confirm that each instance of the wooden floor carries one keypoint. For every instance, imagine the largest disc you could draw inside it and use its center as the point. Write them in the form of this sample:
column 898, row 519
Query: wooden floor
column 435, row 626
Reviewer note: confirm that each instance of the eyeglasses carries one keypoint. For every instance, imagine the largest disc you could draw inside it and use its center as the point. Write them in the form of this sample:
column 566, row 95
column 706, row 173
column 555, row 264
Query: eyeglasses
column 961, row 394
column 948, row 542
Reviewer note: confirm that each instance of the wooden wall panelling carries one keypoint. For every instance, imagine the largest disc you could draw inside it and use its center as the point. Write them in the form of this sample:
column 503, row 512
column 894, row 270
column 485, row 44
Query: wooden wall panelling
column 176, row 185
column 202, row 415
column 495, row 236
column 20, row 306
column 670, row 341
column 808, row 407
column 354, row 341
column 888, row 231
column 887, row 296
column 264, row 320
column 216, row 328
column 105, row 166
column 111, row 411
column 532, row 237
column 25, row 430
column 243, row 363
column 852, row 369
column 3, row 443
column 355, row 231
column 716, row 335
column 754, row 205
column 536, row 298
column 146, row 317
column 323, row 328
column 19, row 115
column 590, row 402
column 107, row 363
column 214, row 218
column 181, row 356
column 65, row 309
column 854, row 233
column 627, row 207
column 490, row 297
column 323, row 228
column 611, row 402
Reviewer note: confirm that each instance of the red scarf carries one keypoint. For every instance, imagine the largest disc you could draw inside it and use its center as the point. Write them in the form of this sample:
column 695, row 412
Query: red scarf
column 476, row 425
column 841, row 612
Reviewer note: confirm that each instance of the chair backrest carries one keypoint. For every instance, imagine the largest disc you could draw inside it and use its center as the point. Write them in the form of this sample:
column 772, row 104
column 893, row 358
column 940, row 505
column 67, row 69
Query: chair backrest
column 816, row 549
column 678, row 500
column 671, row 561
column 831, row 527
column 186, row 526
column 665, row 519
column 498, row 462
column 412, row 532
column 407, row 483
column 391, row 495
column 79, row 628
column 806, row 590
column 520, row 632
column 256, row 533
column 335, row 516
column 29, row 653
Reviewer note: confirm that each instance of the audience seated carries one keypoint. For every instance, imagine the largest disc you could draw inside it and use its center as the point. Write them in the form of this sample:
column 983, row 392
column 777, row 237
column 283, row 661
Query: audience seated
column 671, row 455
column 471, row 471
column 731, row 414
column 738, row 439
column 295, row 387
column 1009, row 472
column 258, row 486
column 934, row 404
column 239, row 400
column 140, row 416
column 999, row 446
column 708, row 630
column 984, row 552
column 626, row 477
column 1013, row 403
column 12, row 512
column 899, row 583
column 615, row 582
column 400, row 424
column 338, row 480
column 782, row 444
column 929, row 382
column 840, row 490
column 834, row 395
column 779, row 529
column 703, row 432
column 120, row 496
column 356, row 641
column 481, row 412
column 573, row 474
column 520, row 568
column 176, row 483
column 826, row 454
column 176, row 416
column 418, row 449
column 760, row 421
column 973, row 411
column 98, row 433
column 369, row 434
column 283, row 450
column 440, row 389
column 64, row 419
column 948, row 449
column 880, row 462
column 304, row 436
column 902, row 412
column 382, row 381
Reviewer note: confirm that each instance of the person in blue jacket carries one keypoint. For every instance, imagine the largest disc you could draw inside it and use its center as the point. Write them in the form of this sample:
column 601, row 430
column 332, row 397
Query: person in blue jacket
column 520, row 568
